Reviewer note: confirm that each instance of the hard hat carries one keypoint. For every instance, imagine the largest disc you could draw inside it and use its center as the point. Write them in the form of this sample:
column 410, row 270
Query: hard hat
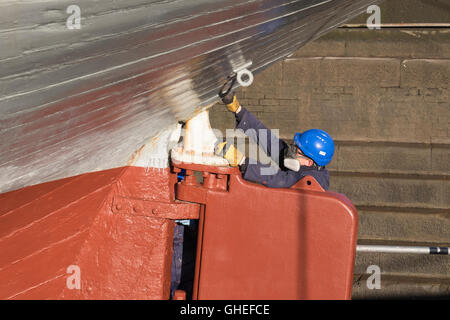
column 316, row 144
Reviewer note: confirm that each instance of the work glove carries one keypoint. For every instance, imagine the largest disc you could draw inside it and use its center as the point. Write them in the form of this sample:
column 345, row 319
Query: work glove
column 228, row 96
column 229, row 152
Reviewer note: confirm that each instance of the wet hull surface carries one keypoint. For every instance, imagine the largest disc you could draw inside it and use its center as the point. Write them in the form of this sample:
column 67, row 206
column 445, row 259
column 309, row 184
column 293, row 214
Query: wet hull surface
column 74, row 101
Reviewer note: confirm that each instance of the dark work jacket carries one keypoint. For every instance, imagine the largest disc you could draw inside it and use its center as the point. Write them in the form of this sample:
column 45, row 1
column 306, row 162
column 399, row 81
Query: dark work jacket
column 267, row 174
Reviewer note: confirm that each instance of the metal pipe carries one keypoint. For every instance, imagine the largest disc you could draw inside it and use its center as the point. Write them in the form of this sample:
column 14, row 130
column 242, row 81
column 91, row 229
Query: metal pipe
column 399, row 25
column 402, row 249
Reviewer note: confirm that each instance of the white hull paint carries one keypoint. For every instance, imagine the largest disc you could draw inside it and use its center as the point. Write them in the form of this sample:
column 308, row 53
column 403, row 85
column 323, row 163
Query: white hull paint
column 79, row 100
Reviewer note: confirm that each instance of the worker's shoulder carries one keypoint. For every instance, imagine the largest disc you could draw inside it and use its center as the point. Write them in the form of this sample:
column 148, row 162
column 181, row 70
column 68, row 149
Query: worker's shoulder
column 313, row 170
column 321, row 175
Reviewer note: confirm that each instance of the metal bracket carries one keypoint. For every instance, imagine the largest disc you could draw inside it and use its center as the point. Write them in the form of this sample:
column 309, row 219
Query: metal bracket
column 165, row 210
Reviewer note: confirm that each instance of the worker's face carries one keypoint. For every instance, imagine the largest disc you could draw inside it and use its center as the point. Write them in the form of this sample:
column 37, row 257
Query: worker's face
column 304, row 160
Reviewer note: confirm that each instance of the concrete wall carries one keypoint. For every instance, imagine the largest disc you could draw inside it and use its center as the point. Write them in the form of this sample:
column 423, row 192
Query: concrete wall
column 384, row 97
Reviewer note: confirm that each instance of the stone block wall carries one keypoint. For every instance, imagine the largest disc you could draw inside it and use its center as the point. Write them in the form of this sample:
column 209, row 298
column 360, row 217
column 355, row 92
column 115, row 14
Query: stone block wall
column 384, row 96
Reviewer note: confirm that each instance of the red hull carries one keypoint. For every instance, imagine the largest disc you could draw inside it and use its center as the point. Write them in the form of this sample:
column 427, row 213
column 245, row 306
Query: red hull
column 111, row 233
column 86, row 221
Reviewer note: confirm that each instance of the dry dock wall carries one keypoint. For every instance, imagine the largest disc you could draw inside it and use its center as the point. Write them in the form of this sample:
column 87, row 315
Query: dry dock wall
column 384, row 96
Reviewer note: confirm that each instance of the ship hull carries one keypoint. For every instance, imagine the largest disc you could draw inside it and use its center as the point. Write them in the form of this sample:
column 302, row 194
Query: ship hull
column 74, row 101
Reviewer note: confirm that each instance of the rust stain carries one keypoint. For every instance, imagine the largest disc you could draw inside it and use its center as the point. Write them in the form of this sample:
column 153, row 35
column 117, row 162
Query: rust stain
column 135, row 155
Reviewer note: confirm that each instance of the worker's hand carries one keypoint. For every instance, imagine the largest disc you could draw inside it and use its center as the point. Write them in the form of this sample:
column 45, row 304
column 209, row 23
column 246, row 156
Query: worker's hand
column 229, row 152
column 232, row 103
column 228, row 96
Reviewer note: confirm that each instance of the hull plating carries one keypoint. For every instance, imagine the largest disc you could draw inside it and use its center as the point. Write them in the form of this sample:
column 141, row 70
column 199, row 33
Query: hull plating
column 81, row 100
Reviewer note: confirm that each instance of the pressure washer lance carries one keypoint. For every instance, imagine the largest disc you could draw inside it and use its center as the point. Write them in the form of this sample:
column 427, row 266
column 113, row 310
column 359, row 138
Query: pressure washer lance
column 228, row 86
column 402, row 249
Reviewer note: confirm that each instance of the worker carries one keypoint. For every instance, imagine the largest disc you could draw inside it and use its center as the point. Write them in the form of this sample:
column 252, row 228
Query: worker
column 307, row 155
column 183, row 258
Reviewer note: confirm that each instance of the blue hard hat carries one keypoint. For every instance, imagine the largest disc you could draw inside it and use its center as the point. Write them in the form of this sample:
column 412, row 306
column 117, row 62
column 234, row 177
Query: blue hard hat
column 316, row 144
